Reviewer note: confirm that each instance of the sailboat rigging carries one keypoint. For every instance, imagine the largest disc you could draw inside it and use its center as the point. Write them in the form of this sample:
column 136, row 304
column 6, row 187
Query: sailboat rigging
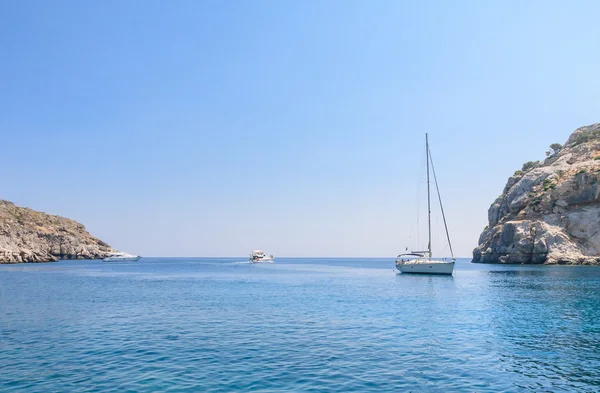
column 422, row 261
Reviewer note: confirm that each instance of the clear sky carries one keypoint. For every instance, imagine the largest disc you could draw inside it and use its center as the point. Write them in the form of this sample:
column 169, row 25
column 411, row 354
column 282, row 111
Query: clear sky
column 210, row 128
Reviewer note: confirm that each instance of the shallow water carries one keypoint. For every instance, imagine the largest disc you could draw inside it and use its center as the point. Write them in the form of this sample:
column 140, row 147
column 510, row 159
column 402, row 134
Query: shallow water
column 301, row 325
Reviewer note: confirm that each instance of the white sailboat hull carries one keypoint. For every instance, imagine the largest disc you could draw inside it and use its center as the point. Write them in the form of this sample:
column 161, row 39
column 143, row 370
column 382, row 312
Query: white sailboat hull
column 429, row 267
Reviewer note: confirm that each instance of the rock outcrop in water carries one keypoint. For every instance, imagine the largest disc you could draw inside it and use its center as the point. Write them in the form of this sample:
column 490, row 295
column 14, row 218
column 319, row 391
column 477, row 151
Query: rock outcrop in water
column 549, row 212
column 30, row 236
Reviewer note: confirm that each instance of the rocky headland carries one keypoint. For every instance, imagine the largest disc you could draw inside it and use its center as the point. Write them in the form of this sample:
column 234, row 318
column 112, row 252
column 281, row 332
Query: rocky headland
column 549, row 211
column 30, row 236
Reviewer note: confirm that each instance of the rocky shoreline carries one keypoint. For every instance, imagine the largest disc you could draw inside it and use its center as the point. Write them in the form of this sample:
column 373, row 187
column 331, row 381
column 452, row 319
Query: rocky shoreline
column 549, row 211
column 27, row 235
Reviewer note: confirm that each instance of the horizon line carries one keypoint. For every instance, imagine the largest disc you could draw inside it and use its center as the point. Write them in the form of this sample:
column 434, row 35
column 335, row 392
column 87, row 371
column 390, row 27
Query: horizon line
column 304, row 257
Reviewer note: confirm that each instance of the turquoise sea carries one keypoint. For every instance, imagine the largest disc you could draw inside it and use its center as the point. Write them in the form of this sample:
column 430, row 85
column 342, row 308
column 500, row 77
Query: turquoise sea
column 299, row 325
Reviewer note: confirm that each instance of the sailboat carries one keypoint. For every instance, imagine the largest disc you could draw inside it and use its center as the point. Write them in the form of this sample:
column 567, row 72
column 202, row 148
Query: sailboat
column 422, row 261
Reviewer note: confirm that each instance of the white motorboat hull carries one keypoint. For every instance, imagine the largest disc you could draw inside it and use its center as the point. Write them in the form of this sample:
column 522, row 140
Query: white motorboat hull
column 426, row 267
column 264, row 260
column 122, row 259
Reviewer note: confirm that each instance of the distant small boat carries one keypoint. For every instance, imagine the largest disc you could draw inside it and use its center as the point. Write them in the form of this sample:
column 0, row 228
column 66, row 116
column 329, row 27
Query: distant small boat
column 422, row 261
column 259, row 256
column 121, row 257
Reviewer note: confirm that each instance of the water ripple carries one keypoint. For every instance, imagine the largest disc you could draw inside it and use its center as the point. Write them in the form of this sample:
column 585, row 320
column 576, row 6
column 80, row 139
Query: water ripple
column 304, row 326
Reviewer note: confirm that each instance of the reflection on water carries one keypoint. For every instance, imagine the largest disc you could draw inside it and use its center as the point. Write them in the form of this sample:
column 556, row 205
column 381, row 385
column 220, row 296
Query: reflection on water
column 336, row 325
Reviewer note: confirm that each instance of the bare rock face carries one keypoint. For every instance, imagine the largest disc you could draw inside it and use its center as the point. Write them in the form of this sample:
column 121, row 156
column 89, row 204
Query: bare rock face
column 549, row 212
column 30, row 236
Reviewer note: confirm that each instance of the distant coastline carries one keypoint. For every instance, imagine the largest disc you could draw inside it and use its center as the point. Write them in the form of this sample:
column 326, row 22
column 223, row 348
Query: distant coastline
column 27, row 235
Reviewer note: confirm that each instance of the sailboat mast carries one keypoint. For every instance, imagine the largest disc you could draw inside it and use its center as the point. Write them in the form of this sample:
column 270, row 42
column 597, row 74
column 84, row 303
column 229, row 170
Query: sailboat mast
column 428, row 197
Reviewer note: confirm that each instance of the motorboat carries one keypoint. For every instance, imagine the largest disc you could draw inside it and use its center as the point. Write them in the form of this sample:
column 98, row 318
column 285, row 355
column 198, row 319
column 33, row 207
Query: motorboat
column 121, row 257
column 259, row 256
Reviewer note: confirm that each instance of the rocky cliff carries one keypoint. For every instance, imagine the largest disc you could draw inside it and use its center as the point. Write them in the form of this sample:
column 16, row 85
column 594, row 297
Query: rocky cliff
column 30, row 236
column 549, row 211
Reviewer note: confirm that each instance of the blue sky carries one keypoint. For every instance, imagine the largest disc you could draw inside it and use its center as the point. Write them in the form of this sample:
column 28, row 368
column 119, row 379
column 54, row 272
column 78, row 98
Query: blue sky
column 210, row 128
